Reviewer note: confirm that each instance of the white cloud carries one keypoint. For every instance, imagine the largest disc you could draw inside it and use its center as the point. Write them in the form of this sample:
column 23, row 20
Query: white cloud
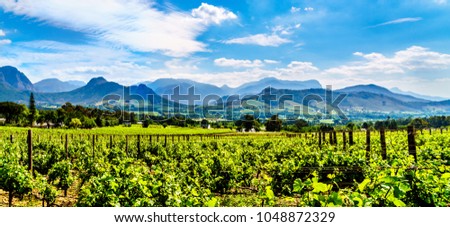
column 2, row 33
column 134, row 24
column 271, row 61
column 295, row 9
column 178, row 65
column 285, row 30
column 5, row 41
column 210, row 14
column 309, row 9
column 230, row 62
column 412, row 59
column 299, row 68
column 260, row 39
column 399, row 21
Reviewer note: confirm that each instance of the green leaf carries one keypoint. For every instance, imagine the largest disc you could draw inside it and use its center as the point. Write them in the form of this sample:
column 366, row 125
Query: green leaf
column 320, row 187
column 399, row 203
column 363, row 185
column 298, row 185
column 212, row 202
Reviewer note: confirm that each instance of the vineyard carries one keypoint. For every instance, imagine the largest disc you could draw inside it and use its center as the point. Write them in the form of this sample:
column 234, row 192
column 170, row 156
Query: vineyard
column 96, row 168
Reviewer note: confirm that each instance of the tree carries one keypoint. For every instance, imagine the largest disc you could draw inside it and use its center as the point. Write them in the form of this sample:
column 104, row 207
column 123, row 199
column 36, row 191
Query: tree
column 75, row 123
column 50, row 117
column 12, row 111
column 419, row 123
column 351, row 126
column 98, row 121
column 300, row 124
column 379, row 125
column 274, row 124
column 33, row 111
column 249, row 122
column 89, row 123
column 365, row 125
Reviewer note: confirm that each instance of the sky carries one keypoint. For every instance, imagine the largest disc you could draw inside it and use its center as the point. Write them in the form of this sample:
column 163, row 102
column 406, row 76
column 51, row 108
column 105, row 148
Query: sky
column 402, row 43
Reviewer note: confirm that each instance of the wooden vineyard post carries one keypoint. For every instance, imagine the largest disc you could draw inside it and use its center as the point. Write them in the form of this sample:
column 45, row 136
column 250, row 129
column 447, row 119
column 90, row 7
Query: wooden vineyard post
column 383, row 143
column 30, row 150
column 11, row 138
column 368, row 145
column 139, row 145
column 320, row 140
column 350, row 138
column 110, row 142
column 93, row 145
column 334, row 137
column 441, row 130
column 429, row 130
column 66, row 146
column 323, row 137
column 331, row 138
column 165, row 141
column 344, row 140
column 412, row 142
column 126, row 144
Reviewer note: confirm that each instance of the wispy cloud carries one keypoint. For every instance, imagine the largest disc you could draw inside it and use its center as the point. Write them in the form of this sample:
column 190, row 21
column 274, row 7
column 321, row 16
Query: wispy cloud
column 272, row 40
column 5, row 41
column 235, row 63
column 135, row 24
column 398, row 21
column 295, row 9
column 412, row 59
column 2, row 33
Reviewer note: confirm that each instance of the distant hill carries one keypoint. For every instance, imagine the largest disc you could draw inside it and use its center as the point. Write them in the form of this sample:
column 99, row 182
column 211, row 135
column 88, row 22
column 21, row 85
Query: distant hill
column 374, row 89
column 373, row 99
column 167, row 86
column 54, row 85
column 12, row 78
column 432, row 98
column 258, row 86
column 98, row 88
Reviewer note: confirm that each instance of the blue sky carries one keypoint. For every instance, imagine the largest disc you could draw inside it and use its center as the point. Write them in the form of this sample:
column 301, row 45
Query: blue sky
column 401, row 44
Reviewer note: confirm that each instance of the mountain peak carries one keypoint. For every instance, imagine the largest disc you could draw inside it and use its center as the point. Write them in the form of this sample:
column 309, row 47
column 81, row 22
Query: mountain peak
column 97, row 81
column 12, row 77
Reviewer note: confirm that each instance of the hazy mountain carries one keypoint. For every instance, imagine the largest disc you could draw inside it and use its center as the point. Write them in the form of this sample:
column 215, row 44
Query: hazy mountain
column 13, row 78
column 374, row 89
column 258, row 86
column 432, row 98
column 167, row 86
column 356, row 100
column 76, row 83
column 99, row 88
column 54, row 85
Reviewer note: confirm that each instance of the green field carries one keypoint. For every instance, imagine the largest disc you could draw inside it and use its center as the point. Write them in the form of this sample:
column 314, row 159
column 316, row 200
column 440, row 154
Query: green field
column 187, row 167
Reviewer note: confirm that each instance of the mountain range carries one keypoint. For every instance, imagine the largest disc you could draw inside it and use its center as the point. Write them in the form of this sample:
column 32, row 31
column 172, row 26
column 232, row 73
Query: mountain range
column 54, row 85
column 16, row 87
